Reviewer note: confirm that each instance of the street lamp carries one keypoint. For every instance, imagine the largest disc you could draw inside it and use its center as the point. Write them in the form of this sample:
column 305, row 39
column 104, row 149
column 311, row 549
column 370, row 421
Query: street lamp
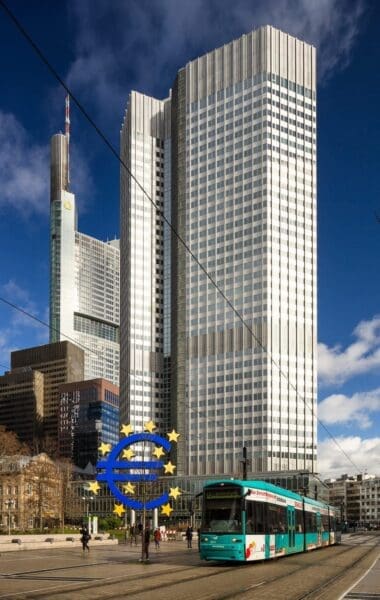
column 87, row 500
column 10, row 504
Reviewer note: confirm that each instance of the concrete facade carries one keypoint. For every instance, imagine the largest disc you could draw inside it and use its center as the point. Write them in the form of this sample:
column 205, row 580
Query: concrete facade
column 61, row 362
column 230, row 160
column 22, row 403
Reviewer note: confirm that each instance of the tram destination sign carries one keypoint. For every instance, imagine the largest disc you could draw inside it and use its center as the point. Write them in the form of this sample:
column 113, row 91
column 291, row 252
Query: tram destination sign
column 219, row 494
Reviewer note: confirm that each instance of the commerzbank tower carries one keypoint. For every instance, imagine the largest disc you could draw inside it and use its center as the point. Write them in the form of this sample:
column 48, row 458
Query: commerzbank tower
column 229, row 159
column 84, row 275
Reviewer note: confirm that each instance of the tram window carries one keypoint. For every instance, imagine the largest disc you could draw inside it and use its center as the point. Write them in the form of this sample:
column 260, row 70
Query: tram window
column 332, row 523
column 299, row 521
column 222, row 512
column 249, row 510
column 310, row 522
column 325, row 522
column 255, row 515
column 276, row 519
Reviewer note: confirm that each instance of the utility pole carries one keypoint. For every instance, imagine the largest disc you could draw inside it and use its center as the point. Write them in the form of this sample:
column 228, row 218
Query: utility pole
column 10, row 504
column 245, row 462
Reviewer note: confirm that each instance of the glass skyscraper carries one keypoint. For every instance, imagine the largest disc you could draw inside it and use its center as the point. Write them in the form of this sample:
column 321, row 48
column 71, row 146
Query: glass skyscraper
column 84, row 278
column 230, row 157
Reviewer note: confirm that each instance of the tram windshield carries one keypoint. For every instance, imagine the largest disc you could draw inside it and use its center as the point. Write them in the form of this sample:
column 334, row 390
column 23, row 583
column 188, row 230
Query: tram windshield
column 222, row 510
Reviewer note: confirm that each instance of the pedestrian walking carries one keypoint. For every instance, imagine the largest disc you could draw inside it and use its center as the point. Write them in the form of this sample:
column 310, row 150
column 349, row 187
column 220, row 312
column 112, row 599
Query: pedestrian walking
column 189, row 536
column 85, row 538
column 157, row 538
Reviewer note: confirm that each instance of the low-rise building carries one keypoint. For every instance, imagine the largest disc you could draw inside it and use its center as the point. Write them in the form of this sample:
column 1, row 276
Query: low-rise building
column 358, row 498
column 30, row 493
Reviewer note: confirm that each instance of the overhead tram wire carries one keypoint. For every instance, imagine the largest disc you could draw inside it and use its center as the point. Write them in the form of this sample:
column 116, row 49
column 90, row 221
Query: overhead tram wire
column 41, row 322
column 116, row 154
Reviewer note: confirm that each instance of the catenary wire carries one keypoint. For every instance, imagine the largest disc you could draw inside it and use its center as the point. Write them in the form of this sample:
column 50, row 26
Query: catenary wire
column 55, row 74
column 41, row 322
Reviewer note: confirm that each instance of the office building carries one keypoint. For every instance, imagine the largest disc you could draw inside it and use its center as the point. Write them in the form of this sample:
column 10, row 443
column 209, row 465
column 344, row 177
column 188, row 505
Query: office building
column 84, row 276
column 142, row 274
column 88, row 416
column 22, row 403
column 62, row 362
column 230, row 158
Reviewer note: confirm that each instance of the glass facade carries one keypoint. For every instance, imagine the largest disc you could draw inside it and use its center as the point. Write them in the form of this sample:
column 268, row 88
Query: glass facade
column 88, row 416
column 239, row 169
column 84, row 282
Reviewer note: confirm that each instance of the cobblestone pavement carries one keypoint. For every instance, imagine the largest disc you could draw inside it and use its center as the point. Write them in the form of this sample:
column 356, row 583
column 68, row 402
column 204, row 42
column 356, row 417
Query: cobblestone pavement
column 176, row 572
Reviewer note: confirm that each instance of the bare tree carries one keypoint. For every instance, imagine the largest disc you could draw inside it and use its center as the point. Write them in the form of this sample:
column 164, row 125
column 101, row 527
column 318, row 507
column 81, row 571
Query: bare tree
column 10, row 443
column 65, row 467
column 44, row 487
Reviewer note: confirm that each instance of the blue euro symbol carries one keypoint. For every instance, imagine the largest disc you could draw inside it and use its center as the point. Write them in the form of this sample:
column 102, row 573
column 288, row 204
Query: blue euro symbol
column 111, row 463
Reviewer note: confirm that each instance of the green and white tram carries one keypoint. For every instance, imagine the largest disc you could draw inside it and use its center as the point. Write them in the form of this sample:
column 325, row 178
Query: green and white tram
column 255, row 520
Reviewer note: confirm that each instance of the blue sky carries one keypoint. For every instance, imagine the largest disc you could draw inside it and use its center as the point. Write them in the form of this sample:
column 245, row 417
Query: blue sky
column 103, row 50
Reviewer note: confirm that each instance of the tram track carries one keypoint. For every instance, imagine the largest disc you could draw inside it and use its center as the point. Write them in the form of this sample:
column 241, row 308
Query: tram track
column 246, row 591
column 326, row 584
column 170, row 577
column 176, row 575
column 311, row 594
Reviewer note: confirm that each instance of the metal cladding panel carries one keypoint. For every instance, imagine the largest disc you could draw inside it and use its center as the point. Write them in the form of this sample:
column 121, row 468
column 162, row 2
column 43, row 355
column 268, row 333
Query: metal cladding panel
column 264, row 50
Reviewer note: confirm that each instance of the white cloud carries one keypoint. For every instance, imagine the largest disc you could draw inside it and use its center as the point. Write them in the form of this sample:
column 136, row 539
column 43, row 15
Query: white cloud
column 17, row 330
column 331, row 25
column 340, row 409
column 24, row 174
column 21, row 298
column 337, row 365
column 141, row 43
column 365, row 454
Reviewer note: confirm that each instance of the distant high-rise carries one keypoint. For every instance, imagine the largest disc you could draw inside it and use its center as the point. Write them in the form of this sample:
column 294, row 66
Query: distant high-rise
column 230, row 158
column 88, row 415
column 22, row 403
column 60, row 362
column 84, row 276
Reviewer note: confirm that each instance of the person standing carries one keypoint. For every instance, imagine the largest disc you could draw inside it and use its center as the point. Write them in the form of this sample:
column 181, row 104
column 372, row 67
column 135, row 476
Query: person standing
column 85, row 538
column 157, row 538
column 145, row 544
column 189, row 536
column 133, row 535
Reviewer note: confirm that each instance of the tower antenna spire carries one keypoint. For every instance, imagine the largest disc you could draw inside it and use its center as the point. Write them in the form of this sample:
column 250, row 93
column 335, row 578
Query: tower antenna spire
column 67, row 134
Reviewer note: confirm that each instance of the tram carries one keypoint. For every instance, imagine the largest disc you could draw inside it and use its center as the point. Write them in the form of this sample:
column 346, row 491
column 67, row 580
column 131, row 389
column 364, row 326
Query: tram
column 255, row 520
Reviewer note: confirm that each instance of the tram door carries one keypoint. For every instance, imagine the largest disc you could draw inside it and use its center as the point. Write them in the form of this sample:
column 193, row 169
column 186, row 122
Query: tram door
column 291, row 526
column 319, row 530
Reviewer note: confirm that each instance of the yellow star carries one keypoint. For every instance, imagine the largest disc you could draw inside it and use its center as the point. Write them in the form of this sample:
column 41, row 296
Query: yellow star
column 149, row 426
column 128, row 454
column 166, row 509
column 173, row 436
column 169, row 468
column 158, row 451
column 129, row 488
column 119, row 510
column 93, row 487
column 104, row 448
column 126, row 429
column 174, row 493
